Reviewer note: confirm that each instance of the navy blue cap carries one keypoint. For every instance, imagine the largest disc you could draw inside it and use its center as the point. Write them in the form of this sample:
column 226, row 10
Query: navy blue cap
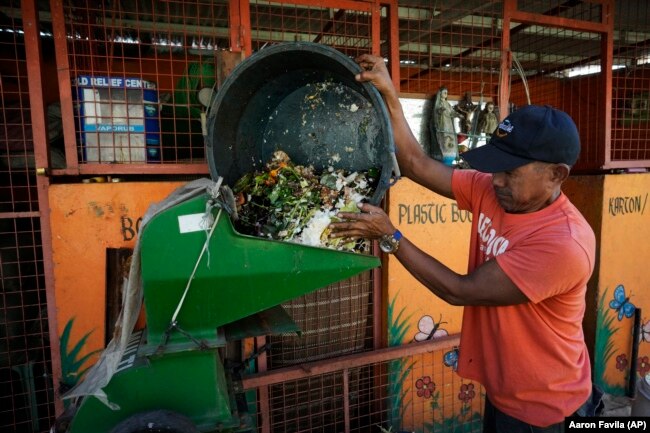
column 532, row 133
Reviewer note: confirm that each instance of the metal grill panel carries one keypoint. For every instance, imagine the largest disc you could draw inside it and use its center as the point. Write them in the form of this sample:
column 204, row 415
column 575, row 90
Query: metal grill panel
column 174, row 47
column 25, row 365
column 26, row 389
column 345, row 29
column 451, row 44
column 459, row 46
column 631, row 86
column 552, row 82
column 335, row 320
column 17, row 182
column 583, row 11
column 397, row 389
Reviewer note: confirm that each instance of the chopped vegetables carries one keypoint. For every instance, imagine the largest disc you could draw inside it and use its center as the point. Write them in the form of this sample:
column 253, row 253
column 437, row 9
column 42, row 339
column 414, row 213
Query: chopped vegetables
column 290, row 202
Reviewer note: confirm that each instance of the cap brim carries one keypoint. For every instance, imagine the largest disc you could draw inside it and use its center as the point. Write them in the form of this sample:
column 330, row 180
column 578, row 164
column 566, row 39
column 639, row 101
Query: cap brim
column 491, row 159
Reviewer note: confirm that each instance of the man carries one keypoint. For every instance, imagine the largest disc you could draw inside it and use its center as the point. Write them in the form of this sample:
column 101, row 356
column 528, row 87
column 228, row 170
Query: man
column 531, row 254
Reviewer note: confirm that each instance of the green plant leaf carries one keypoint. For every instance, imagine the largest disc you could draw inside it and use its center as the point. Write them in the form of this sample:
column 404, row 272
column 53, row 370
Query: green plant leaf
column 604, row 346
column 70, row 365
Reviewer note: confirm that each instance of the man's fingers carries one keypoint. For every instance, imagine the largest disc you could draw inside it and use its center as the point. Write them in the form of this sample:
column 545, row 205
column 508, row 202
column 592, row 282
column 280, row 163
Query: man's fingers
column 348, row 234
column 365, row 57
column 368, row 58
column 365, row 76
column 363, row 216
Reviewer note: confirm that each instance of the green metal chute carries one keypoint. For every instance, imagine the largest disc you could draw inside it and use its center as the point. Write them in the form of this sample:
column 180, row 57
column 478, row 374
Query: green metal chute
column 237, row 276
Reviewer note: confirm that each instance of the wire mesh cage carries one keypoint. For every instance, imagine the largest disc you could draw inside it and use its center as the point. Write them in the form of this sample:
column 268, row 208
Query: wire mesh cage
column 451, row 44
column 550, row 45
column 313, row 404
column 346, row 29
column 334, row 321
column 449, row 52
column 398, row 389
column 26, row 388
column 552, row 63
column 176, row 50
column 143, row 75
column 27, row 394
column 631, row 84
column 17, row 182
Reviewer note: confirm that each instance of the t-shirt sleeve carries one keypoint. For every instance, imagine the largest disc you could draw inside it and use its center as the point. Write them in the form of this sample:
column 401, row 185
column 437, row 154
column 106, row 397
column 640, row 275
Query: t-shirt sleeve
column 545, row 267
column 465, row 184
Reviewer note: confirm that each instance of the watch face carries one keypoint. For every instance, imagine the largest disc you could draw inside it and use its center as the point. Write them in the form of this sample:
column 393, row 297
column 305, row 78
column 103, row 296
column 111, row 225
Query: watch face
column 387, row 246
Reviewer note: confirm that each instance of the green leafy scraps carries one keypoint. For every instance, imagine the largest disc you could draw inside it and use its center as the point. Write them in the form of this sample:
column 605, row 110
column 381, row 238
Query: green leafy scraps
column 291, row 202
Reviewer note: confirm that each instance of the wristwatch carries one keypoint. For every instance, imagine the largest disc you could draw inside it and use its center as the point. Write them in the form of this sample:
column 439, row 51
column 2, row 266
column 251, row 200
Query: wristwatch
column 390, row 243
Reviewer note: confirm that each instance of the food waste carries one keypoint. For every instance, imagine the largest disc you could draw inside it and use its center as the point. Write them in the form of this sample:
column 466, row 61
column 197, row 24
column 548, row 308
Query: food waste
column 293, row 203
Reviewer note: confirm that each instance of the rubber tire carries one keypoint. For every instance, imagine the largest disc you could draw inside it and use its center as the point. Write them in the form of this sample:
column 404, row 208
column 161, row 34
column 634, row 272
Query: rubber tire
column 156, row 421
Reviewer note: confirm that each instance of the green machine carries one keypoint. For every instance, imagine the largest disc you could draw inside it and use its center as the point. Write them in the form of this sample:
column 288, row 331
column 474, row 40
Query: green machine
column 199, row 295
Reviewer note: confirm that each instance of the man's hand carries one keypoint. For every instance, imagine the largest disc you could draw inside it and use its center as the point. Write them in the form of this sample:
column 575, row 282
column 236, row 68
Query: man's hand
column 371, row 223
column 375, row 71
column 413, row 162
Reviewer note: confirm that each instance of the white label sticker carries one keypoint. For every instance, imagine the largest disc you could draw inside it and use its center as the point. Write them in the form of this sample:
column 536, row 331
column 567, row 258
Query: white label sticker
column 194, row 223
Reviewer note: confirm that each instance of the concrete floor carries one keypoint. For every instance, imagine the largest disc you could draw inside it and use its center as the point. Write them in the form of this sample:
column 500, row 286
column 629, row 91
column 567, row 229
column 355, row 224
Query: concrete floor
column 617, row 406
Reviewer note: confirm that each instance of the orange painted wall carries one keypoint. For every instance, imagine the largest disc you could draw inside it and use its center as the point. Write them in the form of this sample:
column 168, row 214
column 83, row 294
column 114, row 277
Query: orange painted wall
column 624, row 253
column 86, row 219
column 617, row 208
column 438, row 227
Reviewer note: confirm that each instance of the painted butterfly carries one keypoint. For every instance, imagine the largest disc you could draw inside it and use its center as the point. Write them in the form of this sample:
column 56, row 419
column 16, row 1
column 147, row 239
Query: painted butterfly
column 429, row 330
column 451, row 359
column 621, row 303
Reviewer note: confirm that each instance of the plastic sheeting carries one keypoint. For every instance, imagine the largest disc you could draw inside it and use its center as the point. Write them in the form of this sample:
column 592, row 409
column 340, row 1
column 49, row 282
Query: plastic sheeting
column 100, row 374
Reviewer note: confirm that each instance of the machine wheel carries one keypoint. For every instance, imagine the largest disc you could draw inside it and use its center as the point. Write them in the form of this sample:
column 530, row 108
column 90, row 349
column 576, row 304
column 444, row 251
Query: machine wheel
column 156, row 421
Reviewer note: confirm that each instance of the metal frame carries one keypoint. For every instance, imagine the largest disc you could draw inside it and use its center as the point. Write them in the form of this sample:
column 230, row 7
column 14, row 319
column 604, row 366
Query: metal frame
column 241, row 41
column 261, row 382
column 41, row 154
column 388, row 45
column 605, row 28
column 346, row 362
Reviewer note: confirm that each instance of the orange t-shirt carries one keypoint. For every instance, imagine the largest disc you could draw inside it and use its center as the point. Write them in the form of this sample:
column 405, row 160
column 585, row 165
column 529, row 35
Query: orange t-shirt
column 531, row 358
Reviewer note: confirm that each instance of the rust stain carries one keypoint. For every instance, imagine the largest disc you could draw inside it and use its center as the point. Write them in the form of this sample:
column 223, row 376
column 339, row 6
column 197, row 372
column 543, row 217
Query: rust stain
column 97, row 209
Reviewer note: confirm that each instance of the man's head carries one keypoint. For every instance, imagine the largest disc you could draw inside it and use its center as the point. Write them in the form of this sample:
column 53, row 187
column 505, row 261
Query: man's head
column 532, row 133
column 529, row 155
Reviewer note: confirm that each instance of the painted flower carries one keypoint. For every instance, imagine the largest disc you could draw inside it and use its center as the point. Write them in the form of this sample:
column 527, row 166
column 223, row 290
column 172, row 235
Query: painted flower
column 644, row 366
column 466, row 393
column 425, row 387
column 621, row 362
